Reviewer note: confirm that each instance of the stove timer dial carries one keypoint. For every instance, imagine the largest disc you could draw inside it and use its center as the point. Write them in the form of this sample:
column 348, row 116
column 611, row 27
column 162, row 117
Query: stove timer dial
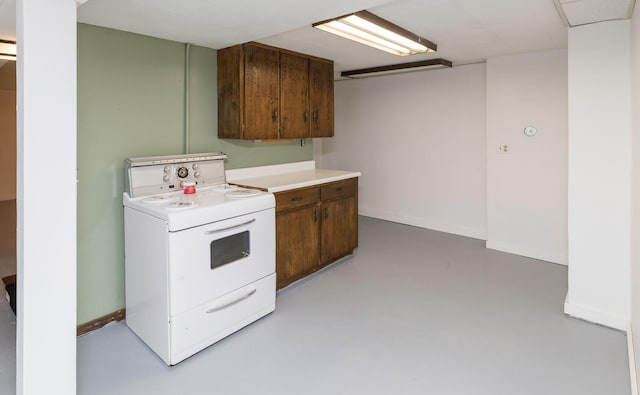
column 183, row 172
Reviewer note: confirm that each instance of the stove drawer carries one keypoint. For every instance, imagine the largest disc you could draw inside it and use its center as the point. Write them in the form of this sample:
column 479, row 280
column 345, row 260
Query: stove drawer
column 212, row 321
column 208, row 261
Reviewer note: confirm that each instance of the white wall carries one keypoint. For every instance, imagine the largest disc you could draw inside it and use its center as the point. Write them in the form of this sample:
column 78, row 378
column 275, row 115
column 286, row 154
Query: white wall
column 635, row 217
column 599, row 173
column 46, row 197
column 419, row 141
column 527, row 186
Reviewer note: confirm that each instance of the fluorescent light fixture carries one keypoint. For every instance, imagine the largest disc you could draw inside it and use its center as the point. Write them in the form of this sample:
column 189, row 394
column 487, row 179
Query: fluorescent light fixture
column 367, row 28
column 7, row 50
column 397, row 68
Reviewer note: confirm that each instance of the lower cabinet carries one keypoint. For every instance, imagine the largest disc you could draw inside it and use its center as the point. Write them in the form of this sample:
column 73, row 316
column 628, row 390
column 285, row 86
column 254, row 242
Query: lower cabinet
column 315, row 226
column 297, row 238
column 339, row 229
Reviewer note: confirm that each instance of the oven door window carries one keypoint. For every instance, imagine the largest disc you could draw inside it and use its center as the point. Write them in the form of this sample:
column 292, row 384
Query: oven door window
column 229, row 249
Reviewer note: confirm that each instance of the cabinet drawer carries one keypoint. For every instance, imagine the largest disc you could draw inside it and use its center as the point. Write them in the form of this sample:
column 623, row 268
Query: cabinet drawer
column 297, row 198
column 339, row 189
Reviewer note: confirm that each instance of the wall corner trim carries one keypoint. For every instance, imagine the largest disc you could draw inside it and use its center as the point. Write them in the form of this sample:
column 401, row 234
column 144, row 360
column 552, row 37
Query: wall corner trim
column 595, row 316
column 632, row 360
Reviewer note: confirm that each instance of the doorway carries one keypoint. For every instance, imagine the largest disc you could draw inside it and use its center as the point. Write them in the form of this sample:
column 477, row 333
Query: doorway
column 7, row 168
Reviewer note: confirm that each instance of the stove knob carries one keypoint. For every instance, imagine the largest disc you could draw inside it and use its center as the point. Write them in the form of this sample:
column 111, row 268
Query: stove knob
column 195, row 166
column 165, row 178
column 196, row 174
column 167, row 169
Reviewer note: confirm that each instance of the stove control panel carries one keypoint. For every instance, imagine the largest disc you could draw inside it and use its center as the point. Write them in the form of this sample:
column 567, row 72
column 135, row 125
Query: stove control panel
column 153, row 175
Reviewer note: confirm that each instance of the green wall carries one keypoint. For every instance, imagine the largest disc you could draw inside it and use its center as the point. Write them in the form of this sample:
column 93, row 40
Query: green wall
column 131, row 103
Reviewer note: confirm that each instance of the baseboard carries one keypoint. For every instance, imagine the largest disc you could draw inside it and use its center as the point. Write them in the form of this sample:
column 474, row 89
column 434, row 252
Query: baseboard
column 632, row 360
column 99, row 322
column 552, row 257
column 460, row 230
column 595, row 316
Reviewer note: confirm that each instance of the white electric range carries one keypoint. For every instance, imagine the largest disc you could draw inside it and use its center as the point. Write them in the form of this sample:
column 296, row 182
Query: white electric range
column 198, row 266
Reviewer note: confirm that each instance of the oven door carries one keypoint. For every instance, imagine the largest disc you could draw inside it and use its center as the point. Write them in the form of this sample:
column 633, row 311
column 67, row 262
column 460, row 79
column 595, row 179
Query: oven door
column 211, row 260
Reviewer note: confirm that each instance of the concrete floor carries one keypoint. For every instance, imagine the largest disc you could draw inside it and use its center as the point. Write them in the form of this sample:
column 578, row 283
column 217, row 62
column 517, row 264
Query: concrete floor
column 7, row 347
column 413, row 312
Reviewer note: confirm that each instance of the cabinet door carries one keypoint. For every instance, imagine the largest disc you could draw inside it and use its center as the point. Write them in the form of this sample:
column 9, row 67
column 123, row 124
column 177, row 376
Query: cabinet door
column 294, row 96
column 297, row 241
column 339, row 228
column 261, row 96
column 230, row 99
column 321, row 98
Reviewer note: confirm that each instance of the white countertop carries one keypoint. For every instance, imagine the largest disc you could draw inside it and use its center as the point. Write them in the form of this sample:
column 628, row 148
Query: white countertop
column 284, row 177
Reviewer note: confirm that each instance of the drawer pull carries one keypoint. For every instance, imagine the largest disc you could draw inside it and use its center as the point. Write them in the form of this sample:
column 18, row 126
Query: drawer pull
column 339, row 189
column 230, row 303
column 209, row 232
column 296, row 198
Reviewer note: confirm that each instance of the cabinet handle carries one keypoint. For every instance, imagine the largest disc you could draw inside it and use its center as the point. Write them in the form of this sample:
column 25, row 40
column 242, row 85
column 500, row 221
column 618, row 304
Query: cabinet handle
column 315, row 116
column 306, row 116
column 326, row 212
column 296, row 198
column 315, row 215
column 339, row 189
column 274, row 115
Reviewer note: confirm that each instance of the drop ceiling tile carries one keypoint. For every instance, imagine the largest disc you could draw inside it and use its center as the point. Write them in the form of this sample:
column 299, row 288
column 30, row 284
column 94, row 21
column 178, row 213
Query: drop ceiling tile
column 582, row 12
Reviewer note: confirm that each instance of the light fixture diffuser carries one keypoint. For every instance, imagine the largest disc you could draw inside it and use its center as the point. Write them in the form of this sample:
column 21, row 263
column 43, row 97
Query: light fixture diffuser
column 367, row 28
column 7, row 49
column 397, row 68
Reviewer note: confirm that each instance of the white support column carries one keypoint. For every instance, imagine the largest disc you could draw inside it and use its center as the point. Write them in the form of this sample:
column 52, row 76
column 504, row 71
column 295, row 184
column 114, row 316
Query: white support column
column 600, row 173
column 46, row 197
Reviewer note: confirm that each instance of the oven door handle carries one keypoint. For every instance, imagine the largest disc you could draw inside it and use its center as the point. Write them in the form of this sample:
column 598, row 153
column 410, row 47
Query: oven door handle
column 231, row 303
column 210, row 232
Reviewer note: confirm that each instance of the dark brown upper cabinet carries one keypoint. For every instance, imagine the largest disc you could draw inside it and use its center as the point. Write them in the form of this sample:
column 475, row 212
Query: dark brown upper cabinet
column 267, row 93
column 294, row 96
column 321, row 98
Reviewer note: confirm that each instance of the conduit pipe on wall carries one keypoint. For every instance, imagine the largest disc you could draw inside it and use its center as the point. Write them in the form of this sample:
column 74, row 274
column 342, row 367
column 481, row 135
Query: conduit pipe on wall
column 187, row 72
